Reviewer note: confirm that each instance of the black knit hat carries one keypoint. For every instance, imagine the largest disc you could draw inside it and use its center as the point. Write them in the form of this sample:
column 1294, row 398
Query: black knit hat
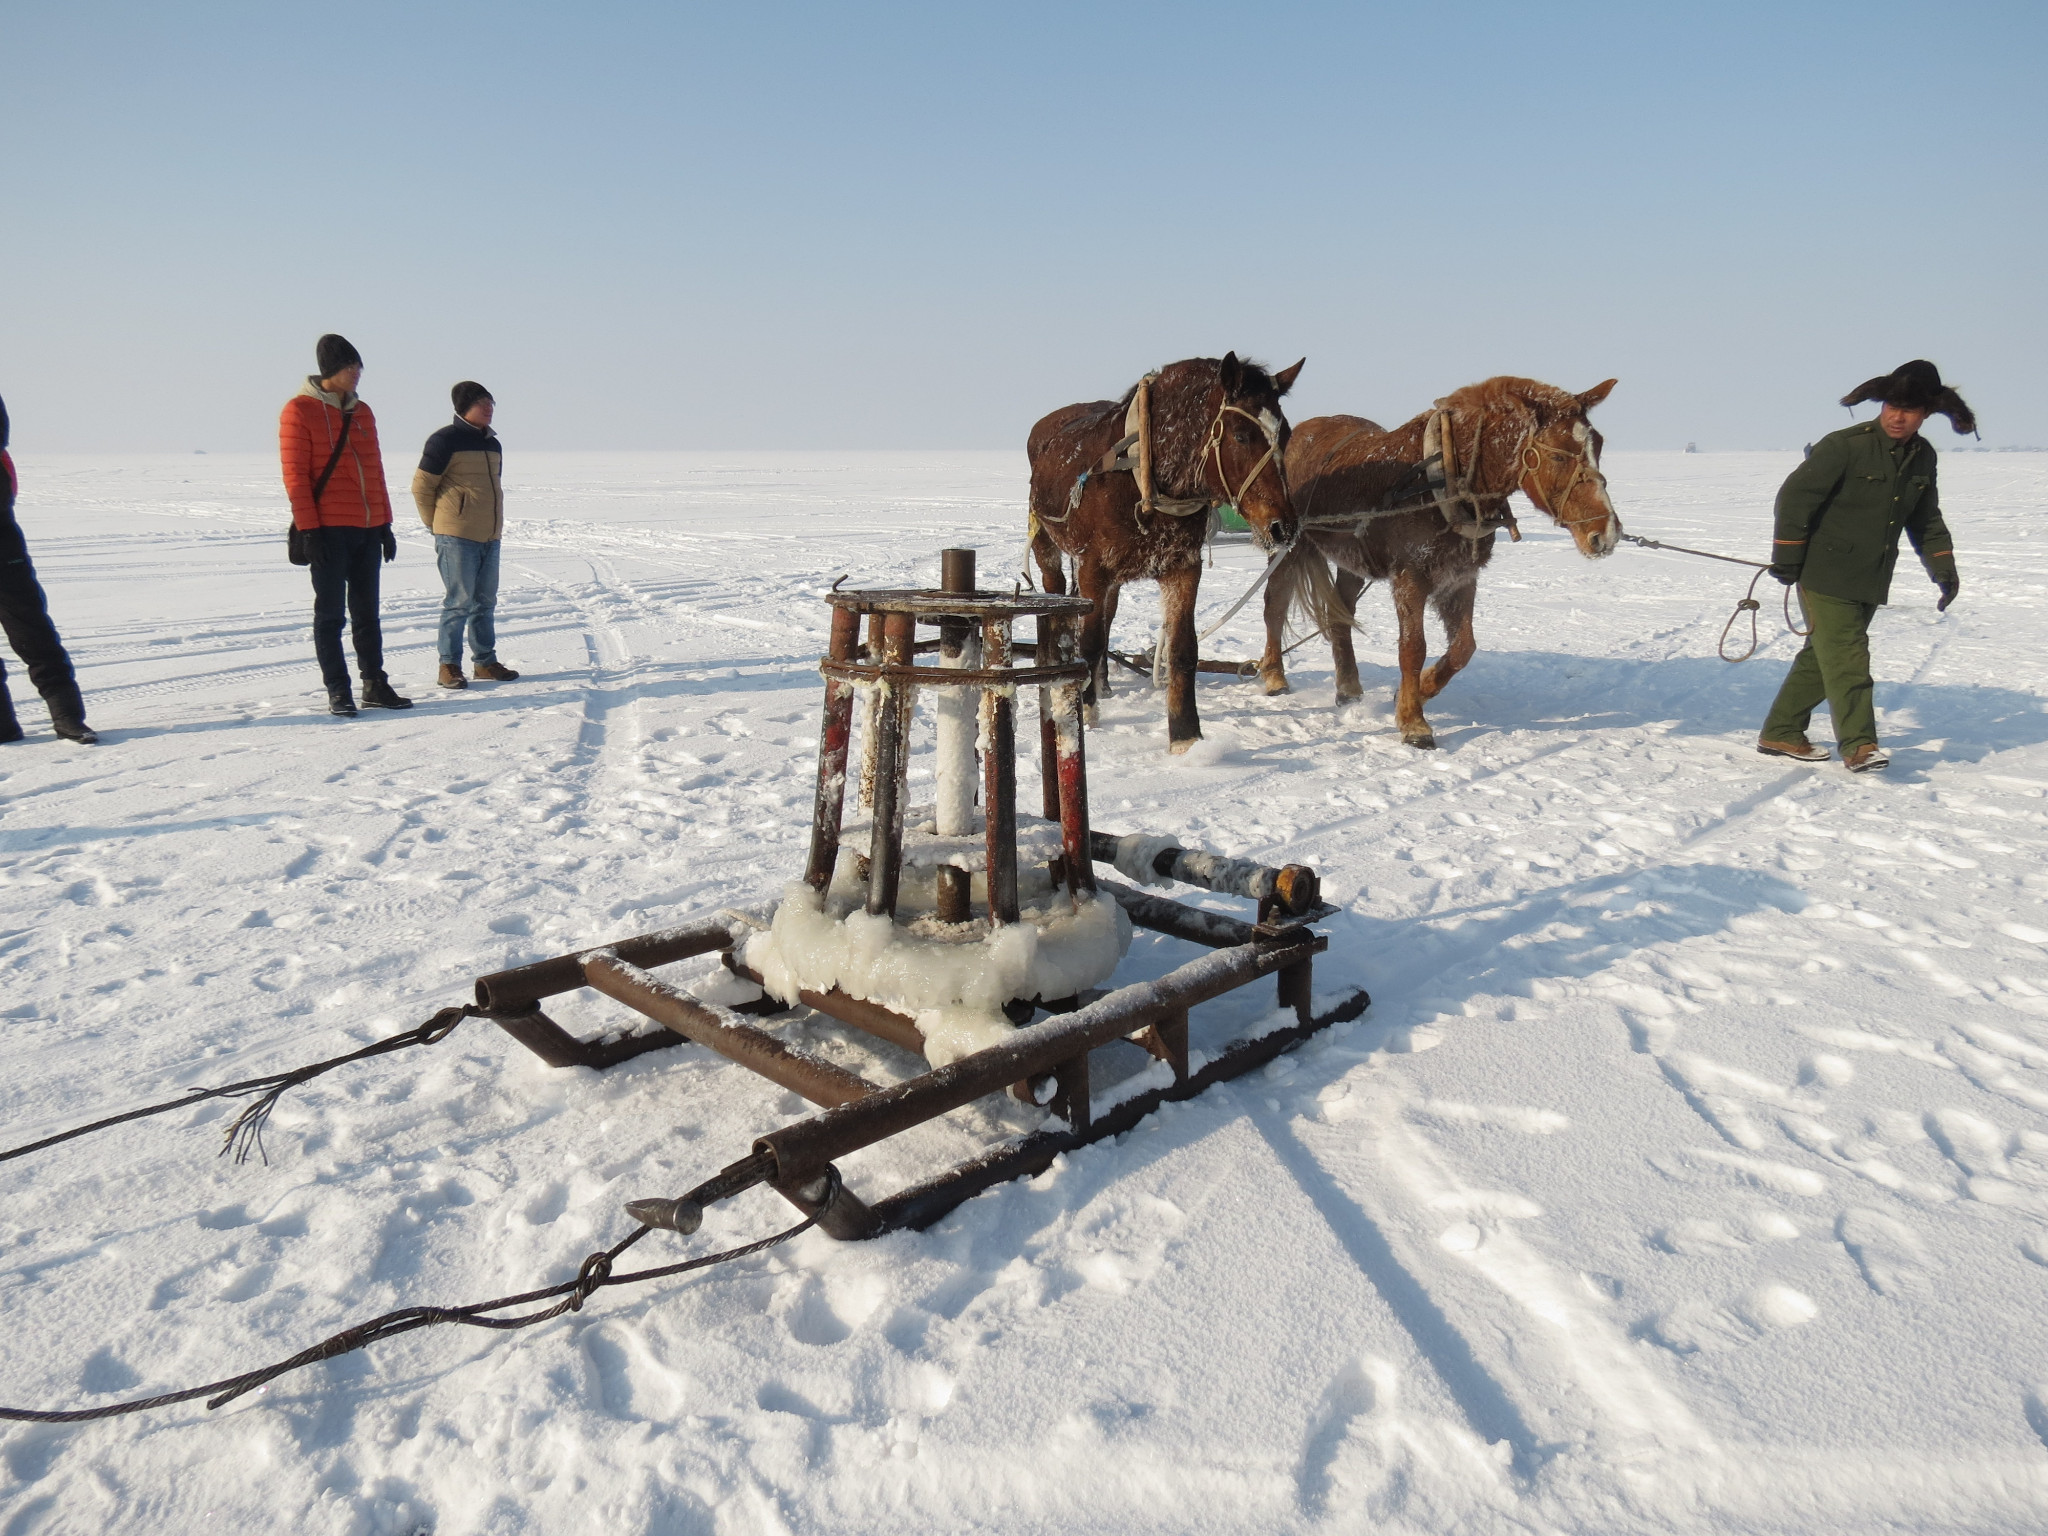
column 334, row 353
column 1917, row 386
column 467, row 393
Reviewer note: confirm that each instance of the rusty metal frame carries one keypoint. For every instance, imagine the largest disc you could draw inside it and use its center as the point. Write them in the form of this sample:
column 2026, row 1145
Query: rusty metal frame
column 1040, row 1063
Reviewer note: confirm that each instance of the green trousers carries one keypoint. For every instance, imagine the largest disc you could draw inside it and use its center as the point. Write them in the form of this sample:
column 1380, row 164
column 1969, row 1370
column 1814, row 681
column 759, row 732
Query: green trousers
column 1834, row 664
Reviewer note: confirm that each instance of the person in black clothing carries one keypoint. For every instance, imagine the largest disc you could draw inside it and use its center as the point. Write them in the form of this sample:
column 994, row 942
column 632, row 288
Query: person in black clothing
column 26, row 618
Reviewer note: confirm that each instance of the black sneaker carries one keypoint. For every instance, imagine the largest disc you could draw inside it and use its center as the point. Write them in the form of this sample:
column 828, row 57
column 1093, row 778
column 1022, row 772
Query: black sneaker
column 381, row 695
column 76, row 730
column 341, row 702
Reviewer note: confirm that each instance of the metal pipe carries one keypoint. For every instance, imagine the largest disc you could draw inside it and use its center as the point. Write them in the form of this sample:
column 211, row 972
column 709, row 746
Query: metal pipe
column 1048, row 733
column 829, row 808
column 885, row 837
column 758, row 1051
column 1296, row 887
column 870, row 738
column 999, row 759
column 1070, row 749
column 520, row 988
column 1212, row 930
column 882, row 1023
column 803, row 1150
column 955, row 710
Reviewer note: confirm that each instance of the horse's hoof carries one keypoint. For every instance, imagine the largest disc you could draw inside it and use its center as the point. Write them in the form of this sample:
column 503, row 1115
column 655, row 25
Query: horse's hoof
column 1277, row 685
column 1349, row 695
column 1090, row 715
column 1178, row 747
column 1426, row 740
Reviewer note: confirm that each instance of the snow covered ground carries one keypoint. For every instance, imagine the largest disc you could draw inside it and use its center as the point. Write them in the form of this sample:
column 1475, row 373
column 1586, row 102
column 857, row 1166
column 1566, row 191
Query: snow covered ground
column 1689, row 1172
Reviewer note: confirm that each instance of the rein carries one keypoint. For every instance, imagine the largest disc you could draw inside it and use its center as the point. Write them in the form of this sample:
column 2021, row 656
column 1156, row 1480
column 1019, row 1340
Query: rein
column 1748, row 604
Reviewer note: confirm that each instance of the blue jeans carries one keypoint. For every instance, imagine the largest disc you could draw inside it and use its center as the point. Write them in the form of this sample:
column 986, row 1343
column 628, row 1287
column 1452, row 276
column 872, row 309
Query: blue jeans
column 469, row 571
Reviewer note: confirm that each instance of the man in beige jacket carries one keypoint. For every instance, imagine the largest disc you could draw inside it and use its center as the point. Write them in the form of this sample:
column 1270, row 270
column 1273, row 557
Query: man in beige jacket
column 460, row 492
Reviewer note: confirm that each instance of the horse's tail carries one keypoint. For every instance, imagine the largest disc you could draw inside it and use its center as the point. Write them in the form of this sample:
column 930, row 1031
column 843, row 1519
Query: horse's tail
column 1308, row 593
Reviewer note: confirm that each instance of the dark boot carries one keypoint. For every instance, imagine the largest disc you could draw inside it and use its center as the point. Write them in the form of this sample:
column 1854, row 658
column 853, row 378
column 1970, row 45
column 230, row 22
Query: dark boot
column 340, row 701
column 10, row 728
column 67, row 715
column 379, row 694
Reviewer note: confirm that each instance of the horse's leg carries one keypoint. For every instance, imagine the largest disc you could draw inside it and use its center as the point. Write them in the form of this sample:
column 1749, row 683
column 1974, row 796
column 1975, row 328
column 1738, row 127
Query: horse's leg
column 1094, row 584
column 1410, row 593
column 1110, row 598
column 1280, row 594
column 1349, row 585
column 1454, row 607
column 1177, row 634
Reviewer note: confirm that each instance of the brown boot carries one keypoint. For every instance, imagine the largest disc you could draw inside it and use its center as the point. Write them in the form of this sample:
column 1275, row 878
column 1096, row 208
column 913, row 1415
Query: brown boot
column 1867, row 758
column 1802, row 749
column 451, row 677
column 492, row 672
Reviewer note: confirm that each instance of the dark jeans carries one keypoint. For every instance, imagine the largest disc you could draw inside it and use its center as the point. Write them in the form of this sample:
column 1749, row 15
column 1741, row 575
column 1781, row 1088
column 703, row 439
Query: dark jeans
column 345, row 562
column 26, row 618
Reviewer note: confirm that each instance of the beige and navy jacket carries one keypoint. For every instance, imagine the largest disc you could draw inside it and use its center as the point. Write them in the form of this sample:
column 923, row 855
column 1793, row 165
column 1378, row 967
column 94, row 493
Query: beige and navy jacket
column 459, row 486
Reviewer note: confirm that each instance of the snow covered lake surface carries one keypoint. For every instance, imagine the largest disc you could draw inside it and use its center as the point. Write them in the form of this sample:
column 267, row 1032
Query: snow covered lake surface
column 1689, row 1172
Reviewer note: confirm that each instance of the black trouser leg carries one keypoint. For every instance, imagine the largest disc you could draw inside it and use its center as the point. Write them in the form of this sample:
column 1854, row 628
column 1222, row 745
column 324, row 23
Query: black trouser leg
column 364, row 631
column 25, row 616
column 345, row 571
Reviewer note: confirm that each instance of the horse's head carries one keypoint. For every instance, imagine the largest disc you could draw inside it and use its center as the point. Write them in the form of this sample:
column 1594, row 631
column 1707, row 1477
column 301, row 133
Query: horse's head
column 1245, row 457
column 1560, row 466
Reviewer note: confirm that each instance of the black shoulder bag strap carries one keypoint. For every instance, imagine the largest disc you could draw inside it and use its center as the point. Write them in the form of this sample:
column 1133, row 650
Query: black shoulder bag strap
column 296, row 549
column 348, row 418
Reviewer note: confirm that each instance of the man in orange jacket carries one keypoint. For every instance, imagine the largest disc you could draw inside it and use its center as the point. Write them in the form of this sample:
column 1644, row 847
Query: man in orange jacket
column 334, row 474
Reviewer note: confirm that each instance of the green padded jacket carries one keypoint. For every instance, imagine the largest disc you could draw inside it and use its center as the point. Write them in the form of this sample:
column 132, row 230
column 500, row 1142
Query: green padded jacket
column 1840, row 513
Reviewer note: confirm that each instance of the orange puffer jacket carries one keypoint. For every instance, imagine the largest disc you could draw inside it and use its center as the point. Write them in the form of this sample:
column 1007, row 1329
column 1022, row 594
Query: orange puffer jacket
column 306, row 431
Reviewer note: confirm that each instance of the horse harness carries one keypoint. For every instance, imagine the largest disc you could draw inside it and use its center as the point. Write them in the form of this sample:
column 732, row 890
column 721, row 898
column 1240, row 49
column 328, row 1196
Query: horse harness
column 1132, row 454
column 1464, row 509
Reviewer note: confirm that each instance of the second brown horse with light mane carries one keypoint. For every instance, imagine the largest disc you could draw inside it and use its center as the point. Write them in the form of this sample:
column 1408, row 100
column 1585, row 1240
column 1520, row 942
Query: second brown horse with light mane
column 1420, row 507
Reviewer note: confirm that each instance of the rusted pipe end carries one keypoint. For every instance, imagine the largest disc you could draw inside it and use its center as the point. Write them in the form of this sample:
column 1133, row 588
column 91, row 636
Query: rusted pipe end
column 1299, row 888
column 956, row 570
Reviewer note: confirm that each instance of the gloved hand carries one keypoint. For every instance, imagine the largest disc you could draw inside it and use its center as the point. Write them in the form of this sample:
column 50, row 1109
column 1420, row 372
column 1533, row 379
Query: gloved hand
column 1949, row 586
column 1788, row 574
column 390, row 544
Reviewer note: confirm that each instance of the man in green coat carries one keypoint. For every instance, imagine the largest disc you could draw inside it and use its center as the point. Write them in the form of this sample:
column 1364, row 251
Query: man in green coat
column 1839, row 517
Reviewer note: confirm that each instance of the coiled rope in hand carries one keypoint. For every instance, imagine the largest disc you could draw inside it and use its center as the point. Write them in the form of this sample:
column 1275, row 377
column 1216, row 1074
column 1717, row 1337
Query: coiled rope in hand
column 1748, row 604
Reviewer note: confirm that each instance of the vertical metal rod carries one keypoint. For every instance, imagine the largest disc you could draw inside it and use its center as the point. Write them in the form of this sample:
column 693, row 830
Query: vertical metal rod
column 956, row 728
column 1071, row 1096
column 999, row 798
column 1048, row 651
column 870, row 739
column 830, row 807
column 1071, row 752
column 892, row 761
column 1297, row 986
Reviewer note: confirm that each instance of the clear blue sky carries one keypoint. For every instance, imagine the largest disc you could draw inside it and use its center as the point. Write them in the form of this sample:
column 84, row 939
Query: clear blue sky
column 833, row 226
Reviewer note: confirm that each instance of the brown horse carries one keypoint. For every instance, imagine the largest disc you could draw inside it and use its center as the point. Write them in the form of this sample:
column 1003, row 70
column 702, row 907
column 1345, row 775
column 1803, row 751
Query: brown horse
column 1125, row 487
column 1420, row 507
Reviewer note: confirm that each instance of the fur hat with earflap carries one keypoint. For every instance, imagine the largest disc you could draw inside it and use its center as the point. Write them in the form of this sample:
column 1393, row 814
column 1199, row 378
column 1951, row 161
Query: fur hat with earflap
column 1917, row 386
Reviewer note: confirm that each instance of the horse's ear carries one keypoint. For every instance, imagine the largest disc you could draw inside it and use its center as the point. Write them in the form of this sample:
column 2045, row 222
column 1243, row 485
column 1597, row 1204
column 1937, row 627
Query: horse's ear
column 1595, row 395
column 1283, row 381
column 1233, row 374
